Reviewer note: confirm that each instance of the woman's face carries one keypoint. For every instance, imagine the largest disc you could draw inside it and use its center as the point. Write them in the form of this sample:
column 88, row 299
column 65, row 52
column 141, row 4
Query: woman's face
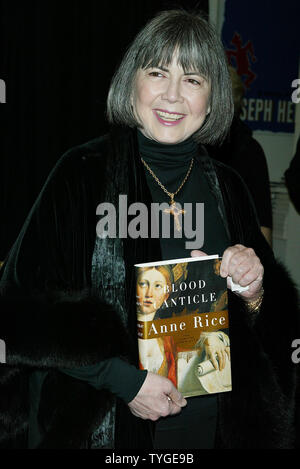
column 151, row 291
column 170, row 104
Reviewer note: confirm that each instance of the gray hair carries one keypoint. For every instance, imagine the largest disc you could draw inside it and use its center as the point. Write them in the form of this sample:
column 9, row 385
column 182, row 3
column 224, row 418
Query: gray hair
column 198, row 47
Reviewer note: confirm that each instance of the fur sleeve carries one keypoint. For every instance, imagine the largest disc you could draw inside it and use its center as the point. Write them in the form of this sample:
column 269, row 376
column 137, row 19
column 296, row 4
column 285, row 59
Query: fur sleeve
column 47, row 312
column 70, row 332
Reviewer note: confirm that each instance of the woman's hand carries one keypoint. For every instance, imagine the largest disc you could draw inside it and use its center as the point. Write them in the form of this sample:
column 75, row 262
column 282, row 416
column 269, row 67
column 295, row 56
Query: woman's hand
column 157, row 398
column 244, row 267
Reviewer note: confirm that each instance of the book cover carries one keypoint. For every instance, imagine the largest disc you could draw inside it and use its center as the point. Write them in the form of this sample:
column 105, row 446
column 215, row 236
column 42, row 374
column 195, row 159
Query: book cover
column 183, row 325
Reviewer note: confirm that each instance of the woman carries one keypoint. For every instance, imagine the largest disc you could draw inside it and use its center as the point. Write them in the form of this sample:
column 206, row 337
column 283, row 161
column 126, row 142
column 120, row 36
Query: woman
column 72, row 294
column 153, row 287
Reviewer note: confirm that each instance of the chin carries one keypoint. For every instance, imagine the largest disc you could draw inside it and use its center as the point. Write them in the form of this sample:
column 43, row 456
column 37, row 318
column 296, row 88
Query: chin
column 166, row 136
column 168, row 139
column 148, row 311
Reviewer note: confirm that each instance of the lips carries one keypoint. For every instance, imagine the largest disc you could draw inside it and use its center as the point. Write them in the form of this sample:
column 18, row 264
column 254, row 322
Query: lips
column 147, row 303
column 168, row 118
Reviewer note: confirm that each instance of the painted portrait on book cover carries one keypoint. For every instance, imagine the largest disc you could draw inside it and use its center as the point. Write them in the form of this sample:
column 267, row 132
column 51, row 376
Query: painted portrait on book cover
column 198, row 363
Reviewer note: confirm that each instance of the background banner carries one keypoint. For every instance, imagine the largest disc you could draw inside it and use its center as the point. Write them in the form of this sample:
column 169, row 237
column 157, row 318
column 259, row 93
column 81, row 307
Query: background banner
column 262, row 43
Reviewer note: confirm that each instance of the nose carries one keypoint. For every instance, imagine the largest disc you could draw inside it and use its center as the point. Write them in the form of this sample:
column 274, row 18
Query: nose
column 149, row 292
column 172, row 93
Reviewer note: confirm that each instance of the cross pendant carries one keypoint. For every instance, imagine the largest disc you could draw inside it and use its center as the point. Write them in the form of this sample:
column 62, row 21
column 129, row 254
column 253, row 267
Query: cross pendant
column 176, row 212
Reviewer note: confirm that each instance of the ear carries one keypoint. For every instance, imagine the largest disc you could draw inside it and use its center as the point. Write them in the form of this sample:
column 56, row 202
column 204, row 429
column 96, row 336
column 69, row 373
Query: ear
column 208, row 110
column 132, row 99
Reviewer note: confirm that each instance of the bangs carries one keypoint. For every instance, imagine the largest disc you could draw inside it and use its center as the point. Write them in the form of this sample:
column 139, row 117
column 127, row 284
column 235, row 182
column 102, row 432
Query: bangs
column 191, row 54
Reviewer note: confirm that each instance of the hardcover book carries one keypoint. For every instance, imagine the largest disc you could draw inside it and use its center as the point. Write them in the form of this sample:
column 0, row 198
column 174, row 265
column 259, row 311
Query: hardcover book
column 183, row 325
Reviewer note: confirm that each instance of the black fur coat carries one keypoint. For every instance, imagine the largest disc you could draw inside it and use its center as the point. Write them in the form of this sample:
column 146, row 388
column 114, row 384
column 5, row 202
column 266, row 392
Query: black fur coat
column 62, row 305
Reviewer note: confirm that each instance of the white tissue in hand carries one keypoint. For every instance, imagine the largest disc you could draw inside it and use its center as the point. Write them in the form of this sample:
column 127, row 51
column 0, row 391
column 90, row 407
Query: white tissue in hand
column 236, row 287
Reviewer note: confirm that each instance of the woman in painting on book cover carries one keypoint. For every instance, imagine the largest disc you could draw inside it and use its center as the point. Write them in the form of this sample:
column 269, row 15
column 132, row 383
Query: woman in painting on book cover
column 153, row 286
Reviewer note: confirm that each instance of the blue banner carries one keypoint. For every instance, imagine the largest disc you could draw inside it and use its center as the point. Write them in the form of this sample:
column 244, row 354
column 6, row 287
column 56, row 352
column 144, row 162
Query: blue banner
column 262, row 42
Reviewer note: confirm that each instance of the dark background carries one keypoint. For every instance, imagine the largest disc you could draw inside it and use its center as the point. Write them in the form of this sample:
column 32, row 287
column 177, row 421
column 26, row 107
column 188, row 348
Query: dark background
column 57, row 59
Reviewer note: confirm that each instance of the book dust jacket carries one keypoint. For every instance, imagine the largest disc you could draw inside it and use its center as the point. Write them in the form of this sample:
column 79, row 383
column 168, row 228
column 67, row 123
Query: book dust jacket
column 182, row 323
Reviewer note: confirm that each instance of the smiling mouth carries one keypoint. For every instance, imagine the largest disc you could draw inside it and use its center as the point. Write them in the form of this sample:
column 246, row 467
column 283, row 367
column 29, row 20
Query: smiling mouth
column 169, row 116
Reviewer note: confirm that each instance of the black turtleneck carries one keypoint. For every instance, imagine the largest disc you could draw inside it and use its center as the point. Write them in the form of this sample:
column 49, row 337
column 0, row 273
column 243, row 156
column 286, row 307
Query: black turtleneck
column 170, row 163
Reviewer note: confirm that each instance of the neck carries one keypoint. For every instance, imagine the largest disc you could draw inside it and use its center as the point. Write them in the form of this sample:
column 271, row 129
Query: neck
column 168, row 155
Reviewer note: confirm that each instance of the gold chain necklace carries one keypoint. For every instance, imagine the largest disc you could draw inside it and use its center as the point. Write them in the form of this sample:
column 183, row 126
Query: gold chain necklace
column 174, row 210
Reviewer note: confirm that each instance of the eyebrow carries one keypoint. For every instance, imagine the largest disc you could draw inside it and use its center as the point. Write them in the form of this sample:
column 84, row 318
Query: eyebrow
column 186, row 74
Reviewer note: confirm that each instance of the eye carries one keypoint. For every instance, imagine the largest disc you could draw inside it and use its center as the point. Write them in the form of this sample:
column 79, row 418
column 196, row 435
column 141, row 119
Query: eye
column 155, row 74
column 142, row 284
column 195, row 82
